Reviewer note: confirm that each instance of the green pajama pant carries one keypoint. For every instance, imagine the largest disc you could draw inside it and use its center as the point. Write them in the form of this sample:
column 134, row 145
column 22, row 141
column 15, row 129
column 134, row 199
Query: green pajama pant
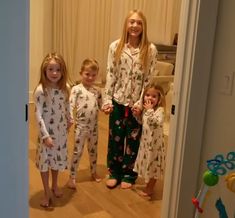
column 123, row 145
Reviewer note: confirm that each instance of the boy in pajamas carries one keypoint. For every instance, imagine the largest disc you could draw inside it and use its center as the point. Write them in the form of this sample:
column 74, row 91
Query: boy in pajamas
column 85, row 99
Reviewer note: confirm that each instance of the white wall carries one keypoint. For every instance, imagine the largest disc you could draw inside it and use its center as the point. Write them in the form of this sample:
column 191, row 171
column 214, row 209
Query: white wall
column 219, row 134
column 14, row 42
column 40, row 35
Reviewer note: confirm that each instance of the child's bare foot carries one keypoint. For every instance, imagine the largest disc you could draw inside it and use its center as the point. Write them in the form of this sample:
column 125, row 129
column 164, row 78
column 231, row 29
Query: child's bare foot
column 111, row 183
column 143, row 193
column 46, row 202
column 126, row 185
column 57, row 193
column 71, row 183
column 95, row 177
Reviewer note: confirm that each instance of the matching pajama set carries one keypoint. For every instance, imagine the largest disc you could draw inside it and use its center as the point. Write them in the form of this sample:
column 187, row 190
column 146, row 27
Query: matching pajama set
column 86, row 103
column 125, row 83
column 52, row 114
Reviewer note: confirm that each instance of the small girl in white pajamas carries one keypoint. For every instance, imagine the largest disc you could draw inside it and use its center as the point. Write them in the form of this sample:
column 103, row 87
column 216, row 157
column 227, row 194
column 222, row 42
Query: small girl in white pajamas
column 85, row 99
column 150, row 161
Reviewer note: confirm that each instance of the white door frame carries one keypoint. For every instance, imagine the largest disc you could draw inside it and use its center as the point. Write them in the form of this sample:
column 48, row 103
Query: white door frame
column 194, row 55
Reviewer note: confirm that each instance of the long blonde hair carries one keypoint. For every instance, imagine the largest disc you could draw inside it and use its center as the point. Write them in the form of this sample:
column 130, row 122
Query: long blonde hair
column 144, row 43
column 62, row 83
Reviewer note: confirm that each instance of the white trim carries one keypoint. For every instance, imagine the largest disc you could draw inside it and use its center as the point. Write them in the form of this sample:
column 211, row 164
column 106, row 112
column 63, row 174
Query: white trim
column 30, row 96
column 194, row 54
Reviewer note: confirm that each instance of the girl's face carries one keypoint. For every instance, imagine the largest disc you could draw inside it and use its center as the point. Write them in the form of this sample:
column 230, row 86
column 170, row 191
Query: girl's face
column 152, row 95
column 53, row 72
column 135, row 25
column 88, row 77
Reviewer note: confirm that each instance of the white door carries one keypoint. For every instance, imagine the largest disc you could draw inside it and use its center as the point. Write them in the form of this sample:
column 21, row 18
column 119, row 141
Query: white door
column 14, row 40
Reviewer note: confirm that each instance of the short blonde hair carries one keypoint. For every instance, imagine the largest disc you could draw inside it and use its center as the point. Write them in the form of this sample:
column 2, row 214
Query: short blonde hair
column 89, row 63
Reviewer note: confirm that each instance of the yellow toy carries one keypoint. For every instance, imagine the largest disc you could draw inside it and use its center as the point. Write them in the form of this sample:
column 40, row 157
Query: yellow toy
column 230, row 180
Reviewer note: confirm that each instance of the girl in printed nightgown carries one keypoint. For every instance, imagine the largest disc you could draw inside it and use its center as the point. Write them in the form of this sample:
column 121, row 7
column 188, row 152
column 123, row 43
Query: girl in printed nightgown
column 150, row 160
column 51, row 98
column 85, row 99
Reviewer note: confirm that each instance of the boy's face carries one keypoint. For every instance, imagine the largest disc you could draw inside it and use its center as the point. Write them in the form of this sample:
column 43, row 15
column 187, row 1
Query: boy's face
column 88, row 77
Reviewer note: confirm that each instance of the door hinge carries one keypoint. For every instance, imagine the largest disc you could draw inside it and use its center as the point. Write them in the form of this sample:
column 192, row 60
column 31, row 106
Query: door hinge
column 26, row 112
column 173, row 109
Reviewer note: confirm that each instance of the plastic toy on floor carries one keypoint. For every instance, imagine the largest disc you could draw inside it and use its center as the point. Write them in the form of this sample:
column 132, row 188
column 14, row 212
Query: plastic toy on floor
column 209, row 179
column 216, row 167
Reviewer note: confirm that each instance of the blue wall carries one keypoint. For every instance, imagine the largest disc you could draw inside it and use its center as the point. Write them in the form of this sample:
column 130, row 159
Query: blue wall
column 14, row 49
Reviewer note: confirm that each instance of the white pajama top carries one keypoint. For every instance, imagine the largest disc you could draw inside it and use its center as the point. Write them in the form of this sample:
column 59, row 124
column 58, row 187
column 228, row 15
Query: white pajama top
column 127, row 79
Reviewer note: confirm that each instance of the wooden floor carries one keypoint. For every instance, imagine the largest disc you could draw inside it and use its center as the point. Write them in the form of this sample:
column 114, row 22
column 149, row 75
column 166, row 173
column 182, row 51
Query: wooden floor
column 91, row 200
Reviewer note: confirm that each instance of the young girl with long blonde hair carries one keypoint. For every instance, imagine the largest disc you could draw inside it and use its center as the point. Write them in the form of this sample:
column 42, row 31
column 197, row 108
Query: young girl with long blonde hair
column 51, row 98
column 131, row 61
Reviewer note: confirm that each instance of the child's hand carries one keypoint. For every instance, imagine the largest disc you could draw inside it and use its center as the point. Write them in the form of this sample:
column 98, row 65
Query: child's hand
column 136, row 110
column 49, row 142
column 107, row 109
column 148, row 105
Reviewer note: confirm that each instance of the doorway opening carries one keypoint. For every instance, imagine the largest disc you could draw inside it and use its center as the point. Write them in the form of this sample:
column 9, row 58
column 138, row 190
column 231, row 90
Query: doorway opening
column 166, row 56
